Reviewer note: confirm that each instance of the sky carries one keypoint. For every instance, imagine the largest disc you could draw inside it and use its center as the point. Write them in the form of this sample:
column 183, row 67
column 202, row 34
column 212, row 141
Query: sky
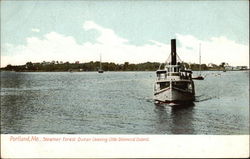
column 124, row 31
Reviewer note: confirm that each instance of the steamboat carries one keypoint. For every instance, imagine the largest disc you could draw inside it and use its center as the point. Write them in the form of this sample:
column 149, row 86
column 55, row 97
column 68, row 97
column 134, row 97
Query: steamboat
column 174, row 83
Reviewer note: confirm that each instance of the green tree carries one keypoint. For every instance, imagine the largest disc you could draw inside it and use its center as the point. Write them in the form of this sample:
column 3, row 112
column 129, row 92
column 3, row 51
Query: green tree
column 125, row 66
column 30, row 66
column 9, row 67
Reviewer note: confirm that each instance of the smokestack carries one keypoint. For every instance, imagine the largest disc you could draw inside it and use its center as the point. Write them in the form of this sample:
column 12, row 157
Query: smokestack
column 173, row 51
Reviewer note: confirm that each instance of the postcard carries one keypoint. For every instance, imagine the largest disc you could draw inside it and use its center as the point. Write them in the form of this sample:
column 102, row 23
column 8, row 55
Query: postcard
column 124, row 79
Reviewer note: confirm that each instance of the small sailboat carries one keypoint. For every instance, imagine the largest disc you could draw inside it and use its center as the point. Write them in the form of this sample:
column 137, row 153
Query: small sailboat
column 174, row 82
column 199, row 77
column 100, row 70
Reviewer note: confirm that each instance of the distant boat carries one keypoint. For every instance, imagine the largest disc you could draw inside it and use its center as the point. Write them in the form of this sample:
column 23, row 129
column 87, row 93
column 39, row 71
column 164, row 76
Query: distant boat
column 100, row 70
column 199, row 77
column 174, row 83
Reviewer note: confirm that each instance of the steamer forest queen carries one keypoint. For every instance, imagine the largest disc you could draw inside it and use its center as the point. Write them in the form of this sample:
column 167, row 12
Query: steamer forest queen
column 174, row 82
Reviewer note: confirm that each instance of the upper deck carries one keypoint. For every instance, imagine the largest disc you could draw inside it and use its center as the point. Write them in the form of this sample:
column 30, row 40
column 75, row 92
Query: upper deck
column 173, row 72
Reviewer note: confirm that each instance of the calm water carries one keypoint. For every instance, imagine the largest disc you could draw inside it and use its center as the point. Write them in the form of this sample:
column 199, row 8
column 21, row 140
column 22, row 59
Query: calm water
column 120, row 103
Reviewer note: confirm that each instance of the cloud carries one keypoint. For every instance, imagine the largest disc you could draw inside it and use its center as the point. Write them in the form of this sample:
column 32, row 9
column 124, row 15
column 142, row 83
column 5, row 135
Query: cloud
column 107, row 36
column 214, row 50
column 58, row 47
column 35, row 30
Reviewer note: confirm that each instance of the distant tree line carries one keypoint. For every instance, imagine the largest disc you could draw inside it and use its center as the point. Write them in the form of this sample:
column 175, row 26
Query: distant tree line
column 106, row 66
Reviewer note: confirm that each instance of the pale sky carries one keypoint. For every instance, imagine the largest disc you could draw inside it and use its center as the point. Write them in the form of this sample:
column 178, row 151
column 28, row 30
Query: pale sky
column 124, row 31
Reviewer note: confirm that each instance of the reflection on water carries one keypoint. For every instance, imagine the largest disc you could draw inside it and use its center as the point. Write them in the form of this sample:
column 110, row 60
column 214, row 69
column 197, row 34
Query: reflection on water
column 182, row 116
column 175, row 119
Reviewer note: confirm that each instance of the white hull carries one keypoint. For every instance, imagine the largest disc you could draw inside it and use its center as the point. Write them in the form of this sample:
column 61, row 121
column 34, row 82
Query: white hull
column 173, row 95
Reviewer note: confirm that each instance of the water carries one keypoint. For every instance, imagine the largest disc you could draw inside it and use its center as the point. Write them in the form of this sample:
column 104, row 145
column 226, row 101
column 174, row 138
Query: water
column 120, row 103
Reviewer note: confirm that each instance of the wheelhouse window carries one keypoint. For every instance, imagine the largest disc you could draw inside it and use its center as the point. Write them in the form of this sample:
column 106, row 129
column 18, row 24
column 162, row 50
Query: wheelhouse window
column 181, row 85
column 163, row 85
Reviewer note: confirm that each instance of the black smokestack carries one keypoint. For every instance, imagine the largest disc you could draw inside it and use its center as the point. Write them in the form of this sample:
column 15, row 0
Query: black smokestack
column 173, row 52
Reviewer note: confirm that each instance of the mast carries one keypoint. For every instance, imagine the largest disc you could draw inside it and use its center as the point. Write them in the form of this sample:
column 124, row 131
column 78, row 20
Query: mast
column 173, row 51
column 200, row 58
column 100, row 61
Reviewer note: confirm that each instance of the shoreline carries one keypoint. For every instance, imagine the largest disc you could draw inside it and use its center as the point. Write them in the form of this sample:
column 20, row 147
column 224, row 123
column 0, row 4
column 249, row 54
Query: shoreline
column 121, row 71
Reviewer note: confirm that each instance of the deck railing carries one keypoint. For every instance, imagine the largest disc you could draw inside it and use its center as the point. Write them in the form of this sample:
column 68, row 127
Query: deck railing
column 182, row 75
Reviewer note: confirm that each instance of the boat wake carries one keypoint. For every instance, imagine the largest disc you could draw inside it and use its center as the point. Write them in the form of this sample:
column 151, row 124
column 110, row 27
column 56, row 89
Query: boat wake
column 201, row 98
column 150, row 100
